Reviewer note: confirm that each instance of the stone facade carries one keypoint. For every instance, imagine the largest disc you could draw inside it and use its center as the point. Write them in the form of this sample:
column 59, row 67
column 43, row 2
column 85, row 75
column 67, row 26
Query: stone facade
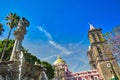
column 10, row 71
column 100, row 56
column 60, row 67
column 17, row 68
column 102, row 62
column 84, row 75
column 63, row 73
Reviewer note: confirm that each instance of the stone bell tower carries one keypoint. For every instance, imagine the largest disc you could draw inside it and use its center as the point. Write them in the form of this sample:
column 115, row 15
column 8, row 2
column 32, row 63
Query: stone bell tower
column 100, row 56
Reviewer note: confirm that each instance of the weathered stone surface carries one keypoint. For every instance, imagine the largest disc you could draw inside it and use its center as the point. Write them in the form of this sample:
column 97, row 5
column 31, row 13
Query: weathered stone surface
column 10, row 71
column 17, row 68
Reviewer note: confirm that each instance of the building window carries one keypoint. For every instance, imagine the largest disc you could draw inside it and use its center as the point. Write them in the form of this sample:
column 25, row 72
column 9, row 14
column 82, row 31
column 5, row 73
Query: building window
column 94, row 66
column 95, row 78
column 91, row 57
column 99, row 36
column 92, row 77
column 94, row 37
column 99, row 52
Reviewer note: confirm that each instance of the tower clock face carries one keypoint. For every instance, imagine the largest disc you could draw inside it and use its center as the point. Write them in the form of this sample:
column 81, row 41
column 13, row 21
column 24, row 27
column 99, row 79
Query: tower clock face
column 108, row 65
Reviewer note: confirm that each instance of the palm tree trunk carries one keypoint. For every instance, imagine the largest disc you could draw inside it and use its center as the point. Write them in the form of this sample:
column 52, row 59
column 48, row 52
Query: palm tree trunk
column 4, row 49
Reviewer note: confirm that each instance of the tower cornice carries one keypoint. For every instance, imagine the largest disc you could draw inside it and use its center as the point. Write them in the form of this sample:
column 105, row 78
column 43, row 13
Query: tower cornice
column 97, row 29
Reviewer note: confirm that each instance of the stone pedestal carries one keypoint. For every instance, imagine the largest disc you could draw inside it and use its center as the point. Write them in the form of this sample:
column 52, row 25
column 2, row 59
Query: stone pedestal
column 10, row 71
column 17, row 68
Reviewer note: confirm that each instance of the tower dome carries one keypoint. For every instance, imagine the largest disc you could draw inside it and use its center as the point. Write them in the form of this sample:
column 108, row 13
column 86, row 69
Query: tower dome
column 59, row 61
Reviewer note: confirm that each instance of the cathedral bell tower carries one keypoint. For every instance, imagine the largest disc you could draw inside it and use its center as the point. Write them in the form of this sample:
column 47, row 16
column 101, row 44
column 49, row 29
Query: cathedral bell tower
column 100, row 56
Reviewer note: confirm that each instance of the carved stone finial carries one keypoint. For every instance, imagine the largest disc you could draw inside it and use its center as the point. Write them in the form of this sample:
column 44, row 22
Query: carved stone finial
column 91, row 27
column 22, row 25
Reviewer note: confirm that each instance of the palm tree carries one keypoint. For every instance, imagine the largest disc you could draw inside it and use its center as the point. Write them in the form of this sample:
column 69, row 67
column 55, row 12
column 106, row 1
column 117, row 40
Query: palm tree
column 12, row 19
column 1, row 29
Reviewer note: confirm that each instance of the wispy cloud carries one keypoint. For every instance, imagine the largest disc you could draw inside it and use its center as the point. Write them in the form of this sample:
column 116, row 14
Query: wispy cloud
column 48, row 35
column 63, row 49
column 53, row 43
column 50, row 57
column 71, row 52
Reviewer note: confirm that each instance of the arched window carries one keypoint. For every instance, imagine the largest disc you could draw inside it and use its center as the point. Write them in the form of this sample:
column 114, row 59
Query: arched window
column 94, row 37
column 94, row 66
column 95, row 78
column 91, row 56
column 99, row 36
column 99, row 52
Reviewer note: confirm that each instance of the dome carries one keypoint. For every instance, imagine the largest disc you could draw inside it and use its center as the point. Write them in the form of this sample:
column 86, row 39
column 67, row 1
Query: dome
column 59, row 61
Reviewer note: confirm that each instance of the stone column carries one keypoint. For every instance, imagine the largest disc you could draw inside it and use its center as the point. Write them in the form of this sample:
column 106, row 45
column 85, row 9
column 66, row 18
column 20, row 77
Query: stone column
column 19, row 36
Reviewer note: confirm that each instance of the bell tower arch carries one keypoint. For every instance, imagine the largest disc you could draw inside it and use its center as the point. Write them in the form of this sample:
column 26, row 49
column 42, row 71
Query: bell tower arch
column 99, row 55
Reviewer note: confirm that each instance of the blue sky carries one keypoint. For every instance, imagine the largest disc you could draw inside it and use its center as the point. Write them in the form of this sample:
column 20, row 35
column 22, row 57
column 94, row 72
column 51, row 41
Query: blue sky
column 60, row 27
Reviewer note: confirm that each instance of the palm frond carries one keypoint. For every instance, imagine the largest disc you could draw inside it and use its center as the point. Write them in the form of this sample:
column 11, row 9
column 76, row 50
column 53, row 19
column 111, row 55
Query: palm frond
column 13, row 19
column 1, row 29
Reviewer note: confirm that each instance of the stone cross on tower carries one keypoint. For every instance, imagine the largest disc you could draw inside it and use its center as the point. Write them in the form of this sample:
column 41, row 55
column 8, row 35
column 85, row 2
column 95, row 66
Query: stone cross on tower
column 19, row 36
